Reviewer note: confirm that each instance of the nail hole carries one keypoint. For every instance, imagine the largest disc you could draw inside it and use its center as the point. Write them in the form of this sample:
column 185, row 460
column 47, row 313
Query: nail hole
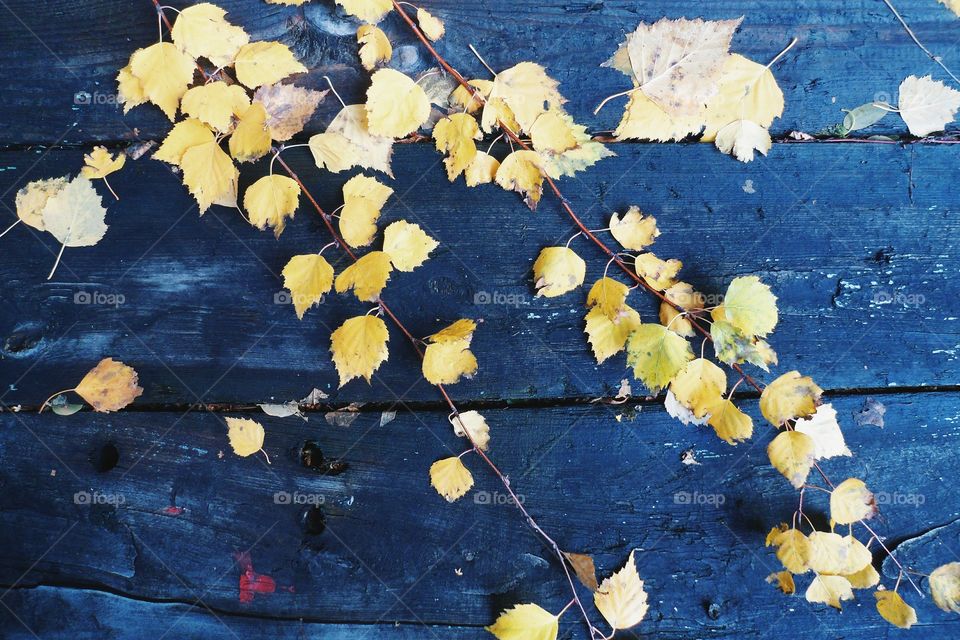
column 312, row 458
column 105, row 458
column 312, row 521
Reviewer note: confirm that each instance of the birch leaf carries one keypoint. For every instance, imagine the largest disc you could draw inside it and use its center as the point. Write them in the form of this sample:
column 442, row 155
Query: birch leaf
column 789, row 397
column 699, row 386
column 367, row 149
column 110, row 386
column 270, row 201
column 945, row 586
column 375, row 47
column 407, row 244
column 558, row 270
column 483, row 169
column 791, row 454
column 927, row 105
column 621, row 598
column 288, row 108
column 363, row 200
column 522, row 171
column 851, row 501
column 894, row 610
column 659, row 274
column 657, row 355
column 251, row 138
column 333, row 152
column 246, row 436
column 527, row 90
column 367, row 276
column 609, row 296
column 32, row 198
column 99, row 163
column 741, row 138
column 634, row 230
column 451, row 478
column 359, row 347
column 396, row 105
column 308, row 278
column 747, row 91
column 793, row 550
column 456, row 135
column 644, row 119
column 202, row 32
column 474, row 425
column 75, row 214
column 750, row 306
column 216, row 104
column 261, row 63
column 209, row 174
column 371, row 11
column 829, row 590
column 185, row 134
column 431, row 26
column 608, row 336
column 827, row 437
column 525, row 622
column 164, row 72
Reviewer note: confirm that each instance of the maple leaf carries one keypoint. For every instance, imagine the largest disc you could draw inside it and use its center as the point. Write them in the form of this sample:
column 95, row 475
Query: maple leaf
column 558, row 270
column 246, row 436
column 621, row 598
column 676, row 63
column 99, row 163
column 288, row 108
column 110, row 386
column 608, row 336
column 251, row 138
column 741, row 138
column 164, row 73
column 472, row 425
column 215, row 104
column 829, row 590
column 750, row 306
column 359, row 347
column 789, row 397
column 367, row 10
column 375, row 47
column 270, row 201
column 184, row 135
column 525, row 622
column 791, row 454
column 32, row 198
column 407, row 244
column 699, row 386
column 396, row 105
column 431, row 26
column 827, row 437
column 363, row 199
column 522, row 171
column 526, row 90
column 747, row 91
column 945, row 586
column 893, row 609
column 367, row 276
column 927, row 105
column 451, row 478
column 644, row 119
column 202, row 32
column 448, row 357
column 260, row 63
column 634, row 230
column 308, row 277
column 209, row 174
column 456, row 135
column 657, row 355
column 851, row 501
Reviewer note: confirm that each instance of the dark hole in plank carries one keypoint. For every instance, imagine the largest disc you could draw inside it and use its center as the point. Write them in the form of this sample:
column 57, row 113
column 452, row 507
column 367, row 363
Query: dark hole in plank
column 311, row 456
column 312, row 520
column 105, row 457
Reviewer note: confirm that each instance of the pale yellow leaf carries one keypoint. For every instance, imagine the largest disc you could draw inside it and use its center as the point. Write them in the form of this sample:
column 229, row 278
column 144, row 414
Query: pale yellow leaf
column 375, row 47
column 553, row 132
column 793, row 550
column 851, row 501
column 831, row 553
column 396, row 105
column 164, row 73
column 459, row 330
column 483, row 169
column 927, row 105
column 670, row 317
column 367, row 10
column 609, row 296
column 270, row 201
column 288, row 108
column 527, row 90
column 644, row 119
column 789, row 397
column 363, row 199
column 308, row 278
column 825, row 431
column 431, row 26
column 634, row 230
column 32, row 198
column 251, row 138
column 865, row 578
column 750, row 306
column 945, row 586
column 333, row 152
column 659, row 274
column 367, row 276
column 741, row 138
column 657, row 355
column 472, row 425
column 558, row 270
column 99, row 163
column 621, row 598
column 407, row 244
column 359, row 347
column 829, row 590
column 216, row 104
column 791, row 454
column 730, row 423
column 75, row 214
column 185, row 134
column 456, row 136
column 260, row 63
column 608, row 336
column 129, row 89
column 210, row 174
column 246, row 436
column 447, row 362
column 525, row 622
column 522, row 171
column 699, row 386
column 202, row 32
column 894, row 610
column 747, row 91
column 110, row 386
column 451, row 478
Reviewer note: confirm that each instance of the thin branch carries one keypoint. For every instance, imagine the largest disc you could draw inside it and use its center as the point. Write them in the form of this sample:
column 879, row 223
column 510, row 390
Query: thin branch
column 918, row 43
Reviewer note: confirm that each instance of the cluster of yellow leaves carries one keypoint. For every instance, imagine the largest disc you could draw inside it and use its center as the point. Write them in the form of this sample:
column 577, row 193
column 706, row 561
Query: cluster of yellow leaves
column 686, row 82
column 109, row 386
column 243, row 103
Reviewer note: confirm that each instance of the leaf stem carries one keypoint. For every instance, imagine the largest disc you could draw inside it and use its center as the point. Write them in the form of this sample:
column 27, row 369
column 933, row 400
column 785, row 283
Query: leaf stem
column 54, row 395
column 10, row 227
column 609, row 98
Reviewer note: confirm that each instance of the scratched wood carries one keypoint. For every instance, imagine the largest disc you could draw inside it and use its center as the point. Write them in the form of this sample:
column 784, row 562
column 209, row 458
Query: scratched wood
column 159, row 530
column 60, row 58
column 860, row 243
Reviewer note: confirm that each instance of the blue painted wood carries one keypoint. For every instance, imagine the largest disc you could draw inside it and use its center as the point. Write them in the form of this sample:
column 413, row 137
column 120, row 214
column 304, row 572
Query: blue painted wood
column 848, row 54
column 698, row 529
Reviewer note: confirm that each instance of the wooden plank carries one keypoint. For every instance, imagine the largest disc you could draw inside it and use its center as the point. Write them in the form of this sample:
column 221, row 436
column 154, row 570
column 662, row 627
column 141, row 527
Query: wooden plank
column 161, row 528
column 860, row 243
column 847, row 55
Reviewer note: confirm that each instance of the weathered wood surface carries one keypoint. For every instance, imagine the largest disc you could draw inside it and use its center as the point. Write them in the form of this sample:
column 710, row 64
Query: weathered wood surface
column 860, row 243
column 849, row 53
column 391, row 548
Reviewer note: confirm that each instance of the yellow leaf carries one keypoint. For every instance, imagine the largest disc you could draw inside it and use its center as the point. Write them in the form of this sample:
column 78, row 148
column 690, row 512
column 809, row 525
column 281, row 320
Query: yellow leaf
column 99, row 163
column 483, row 169
column 609, row 336
column 527, row 90
column 459, row 330
column 570, row 162
column 363, row 198
column 793, row 550
column 953, row 5
column 784, row 580
column 865, row 578
column 251, row 138
column 834, row 554
column 789, row 397
column 894, row 610
column 657, row 355
column 375, row 47
column 110, row 386
column 396, row 105
column 448, row 357
column 558, row 270
column 359, row 347
column 371, row 151
column 851, row 501
column 431, row 26
column 456, row 136
column 75, row 214
column 771, row 539
column 621, row 598
column 741, row 138
column 461, row 98
column 308, row 277
column 750, row 306
column 945, row 586
column 609, row 296
column 829, row 590
column 367, row 276
column 202, row 32
column 270, row 201
column 670, row 317
column 367, row 10
column 525, row 622
column 260, row 63
column 407, row 245
column 553, row 132
column 699, row 386
column 451, row 478
column 164, row 73
column 732, row 347
column 644, row 119
column 474, row 425
column 246, row 436
column 129, row 89
column 729, row 423
column 684, row 72
column 209, row 173
column 216, row 104
column 288, row 108
column 747, row 91
column 33, row 197
column 659, row 274
column 634, row 230
column 185, row 134
column 333, row 152
column 522, row 171
column 791, row 453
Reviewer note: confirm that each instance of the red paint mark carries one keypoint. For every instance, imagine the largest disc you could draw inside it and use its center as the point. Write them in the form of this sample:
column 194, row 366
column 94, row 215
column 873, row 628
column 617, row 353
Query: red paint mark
column 174, row 511
column 251, row 582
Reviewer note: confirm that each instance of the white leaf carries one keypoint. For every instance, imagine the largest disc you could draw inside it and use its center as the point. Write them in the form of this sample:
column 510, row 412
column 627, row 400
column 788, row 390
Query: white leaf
column 741, row 138
column 827, row 437
column 927, row 105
